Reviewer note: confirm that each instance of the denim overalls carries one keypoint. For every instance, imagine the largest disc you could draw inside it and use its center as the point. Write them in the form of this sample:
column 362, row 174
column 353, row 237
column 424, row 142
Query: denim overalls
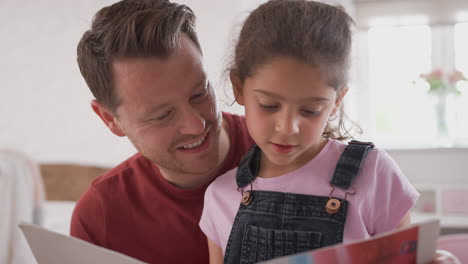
column 274, row 224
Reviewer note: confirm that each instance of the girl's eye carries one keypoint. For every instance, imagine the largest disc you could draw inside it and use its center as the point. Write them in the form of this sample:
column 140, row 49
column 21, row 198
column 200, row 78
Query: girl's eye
column 269, row 107
column 310, row 112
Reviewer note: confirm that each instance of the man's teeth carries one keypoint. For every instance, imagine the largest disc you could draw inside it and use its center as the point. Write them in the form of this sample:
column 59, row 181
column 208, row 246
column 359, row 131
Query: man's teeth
column 196, row 144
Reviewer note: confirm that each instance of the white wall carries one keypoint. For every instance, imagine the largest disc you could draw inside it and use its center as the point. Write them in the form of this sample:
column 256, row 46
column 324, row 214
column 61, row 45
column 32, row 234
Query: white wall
column 438, row 12
column 44, row 102
column 435, row 166
column 44, row 105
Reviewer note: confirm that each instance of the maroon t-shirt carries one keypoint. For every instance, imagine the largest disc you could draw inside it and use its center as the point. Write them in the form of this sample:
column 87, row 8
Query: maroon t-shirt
column 132, row 209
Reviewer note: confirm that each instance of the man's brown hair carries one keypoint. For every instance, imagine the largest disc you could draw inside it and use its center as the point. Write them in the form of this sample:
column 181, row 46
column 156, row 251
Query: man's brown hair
column 130, row 28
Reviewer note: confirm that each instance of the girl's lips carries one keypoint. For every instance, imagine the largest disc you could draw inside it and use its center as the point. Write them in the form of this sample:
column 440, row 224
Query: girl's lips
column 284, row 149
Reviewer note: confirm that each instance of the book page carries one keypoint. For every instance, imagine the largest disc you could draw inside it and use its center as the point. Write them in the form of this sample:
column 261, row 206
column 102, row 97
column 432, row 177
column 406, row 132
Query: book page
column 50, row 247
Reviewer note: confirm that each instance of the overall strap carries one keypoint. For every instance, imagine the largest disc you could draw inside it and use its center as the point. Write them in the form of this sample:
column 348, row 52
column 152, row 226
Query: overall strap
column 349, row 163
column 249, row 167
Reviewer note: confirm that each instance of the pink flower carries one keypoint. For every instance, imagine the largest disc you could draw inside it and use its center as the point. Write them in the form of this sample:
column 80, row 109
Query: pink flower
column 456, row 76
column 442, row 83
column 437, row 74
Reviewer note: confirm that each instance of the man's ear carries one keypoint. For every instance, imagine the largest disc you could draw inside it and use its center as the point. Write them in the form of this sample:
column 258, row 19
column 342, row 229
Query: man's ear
column 236, row 87
column 339, row 100
column 107, row 117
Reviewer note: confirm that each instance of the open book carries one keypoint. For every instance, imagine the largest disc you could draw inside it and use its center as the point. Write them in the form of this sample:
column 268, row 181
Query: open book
column 49, row 247
column 415, row 243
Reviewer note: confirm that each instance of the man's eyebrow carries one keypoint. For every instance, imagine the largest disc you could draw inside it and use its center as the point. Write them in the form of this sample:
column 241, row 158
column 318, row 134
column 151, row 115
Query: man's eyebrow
column 155, row 109
column 159, row 107
column 202, row 79
column 277, row 96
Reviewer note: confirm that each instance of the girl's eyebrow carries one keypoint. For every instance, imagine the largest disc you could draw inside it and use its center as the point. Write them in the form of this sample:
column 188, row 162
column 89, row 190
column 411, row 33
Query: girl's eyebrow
column 277, row 96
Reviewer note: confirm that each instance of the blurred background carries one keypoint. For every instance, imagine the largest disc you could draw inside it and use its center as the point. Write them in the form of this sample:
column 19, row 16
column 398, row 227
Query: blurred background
column 45, row 101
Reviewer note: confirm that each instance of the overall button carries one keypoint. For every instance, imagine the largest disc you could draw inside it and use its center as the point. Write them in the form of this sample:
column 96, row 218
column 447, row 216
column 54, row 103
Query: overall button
column 333, row 206
column 247, row 198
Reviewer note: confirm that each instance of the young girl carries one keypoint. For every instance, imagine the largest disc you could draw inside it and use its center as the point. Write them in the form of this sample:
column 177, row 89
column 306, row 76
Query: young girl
column 299, row 188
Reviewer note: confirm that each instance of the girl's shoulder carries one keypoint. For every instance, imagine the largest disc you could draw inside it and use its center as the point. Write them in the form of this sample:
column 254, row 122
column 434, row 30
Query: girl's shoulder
column 377, row 157
column 224, row 181
column 377, row 168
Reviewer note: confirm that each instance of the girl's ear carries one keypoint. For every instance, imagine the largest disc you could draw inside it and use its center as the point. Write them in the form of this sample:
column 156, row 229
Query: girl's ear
column 339, row 99
column 236, row 87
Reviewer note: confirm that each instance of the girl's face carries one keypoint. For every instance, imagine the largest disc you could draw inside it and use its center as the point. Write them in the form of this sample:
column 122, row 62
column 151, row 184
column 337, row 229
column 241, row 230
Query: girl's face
column 287, row 106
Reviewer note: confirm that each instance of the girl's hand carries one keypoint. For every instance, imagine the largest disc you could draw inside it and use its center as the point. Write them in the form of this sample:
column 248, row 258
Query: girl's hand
column 445, row 257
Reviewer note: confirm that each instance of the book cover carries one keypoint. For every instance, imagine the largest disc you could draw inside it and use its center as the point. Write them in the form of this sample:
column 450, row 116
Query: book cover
column 415, row 243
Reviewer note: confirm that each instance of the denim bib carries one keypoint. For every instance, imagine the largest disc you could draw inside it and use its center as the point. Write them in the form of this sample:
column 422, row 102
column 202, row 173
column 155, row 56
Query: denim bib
column 274, row 224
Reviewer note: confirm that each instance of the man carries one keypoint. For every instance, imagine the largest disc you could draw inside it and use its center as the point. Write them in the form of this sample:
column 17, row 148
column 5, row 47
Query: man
column 142, row 61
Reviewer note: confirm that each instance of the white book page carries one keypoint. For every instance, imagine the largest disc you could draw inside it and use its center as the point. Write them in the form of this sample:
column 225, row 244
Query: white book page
column 50, row 247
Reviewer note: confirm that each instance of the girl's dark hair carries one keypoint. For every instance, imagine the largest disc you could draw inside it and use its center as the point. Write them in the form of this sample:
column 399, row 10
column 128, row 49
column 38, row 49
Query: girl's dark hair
column 314, row 33
column 130, row 28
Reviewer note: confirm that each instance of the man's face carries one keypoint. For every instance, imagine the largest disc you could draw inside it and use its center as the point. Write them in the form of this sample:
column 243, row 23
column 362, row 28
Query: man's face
column 168, row 110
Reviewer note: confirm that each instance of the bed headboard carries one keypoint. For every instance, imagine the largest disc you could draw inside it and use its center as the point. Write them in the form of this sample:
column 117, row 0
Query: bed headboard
column 67, row 182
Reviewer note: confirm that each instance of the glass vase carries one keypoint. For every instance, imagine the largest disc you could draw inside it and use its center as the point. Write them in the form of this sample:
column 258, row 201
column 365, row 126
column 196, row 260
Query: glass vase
column 441, row 119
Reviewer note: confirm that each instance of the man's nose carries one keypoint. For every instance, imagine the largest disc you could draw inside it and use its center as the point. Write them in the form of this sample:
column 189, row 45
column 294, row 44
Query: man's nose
column 191, row 122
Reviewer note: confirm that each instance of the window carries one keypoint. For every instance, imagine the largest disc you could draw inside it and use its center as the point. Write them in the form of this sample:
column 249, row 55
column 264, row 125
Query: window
column 397, row 56
column 460, row 123
column 461, row 47
column 399, row 110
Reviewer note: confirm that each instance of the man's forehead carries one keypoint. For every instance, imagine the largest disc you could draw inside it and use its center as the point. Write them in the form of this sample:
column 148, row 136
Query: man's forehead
column 155, row 72
column 183, row 47
column 141, row 78
column 150, row 93
column 131, row 65
column 180, row 62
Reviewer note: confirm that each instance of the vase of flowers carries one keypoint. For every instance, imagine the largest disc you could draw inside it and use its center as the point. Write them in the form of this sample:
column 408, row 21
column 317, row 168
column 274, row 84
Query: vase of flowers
column 441, row 85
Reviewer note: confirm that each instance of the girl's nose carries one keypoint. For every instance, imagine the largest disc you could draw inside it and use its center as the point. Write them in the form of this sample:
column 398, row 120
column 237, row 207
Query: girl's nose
column 287, row 124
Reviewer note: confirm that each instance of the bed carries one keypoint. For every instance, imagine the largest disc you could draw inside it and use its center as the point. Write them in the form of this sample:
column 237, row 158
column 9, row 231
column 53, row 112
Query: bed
column 43, row 194
column 64, row 184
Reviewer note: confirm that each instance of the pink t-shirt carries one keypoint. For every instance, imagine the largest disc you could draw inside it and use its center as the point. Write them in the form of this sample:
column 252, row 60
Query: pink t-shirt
column 383, row 194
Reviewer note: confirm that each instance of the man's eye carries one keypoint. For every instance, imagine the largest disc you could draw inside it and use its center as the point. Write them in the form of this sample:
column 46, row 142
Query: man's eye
column 199, row 95
column 269, row 107
column 164, row 116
